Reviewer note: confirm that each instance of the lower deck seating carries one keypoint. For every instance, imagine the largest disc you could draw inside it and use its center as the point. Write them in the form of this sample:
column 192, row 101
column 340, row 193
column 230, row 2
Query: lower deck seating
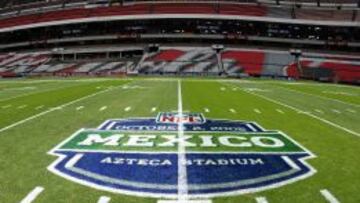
column 184, row 60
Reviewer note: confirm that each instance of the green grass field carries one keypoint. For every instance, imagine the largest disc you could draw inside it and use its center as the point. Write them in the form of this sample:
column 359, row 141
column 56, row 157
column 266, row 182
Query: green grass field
column 37, row 115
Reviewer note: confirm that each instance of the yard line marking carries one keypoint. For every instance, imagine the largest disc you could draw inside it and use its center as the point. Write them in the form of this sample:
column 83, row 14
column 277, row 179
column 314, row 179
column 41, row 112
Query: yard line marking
column 206, row 110
column 153, row 109
column 257, row 111
column 261, row 200
column 79, row 108
column 232, row 110
column 127, row 108
column 104, row 199
column 32, row 195
column 188, row 201
column 351, row 110
column 328, row 196
column 103, row 108
column 319, row 111
column 322, row 97
column 39, row 107
column 306, row 113
column 22, row 106
column 51, row 110
column 280, row 111
column 335, row 111
column 182, row 171
column 6, row 106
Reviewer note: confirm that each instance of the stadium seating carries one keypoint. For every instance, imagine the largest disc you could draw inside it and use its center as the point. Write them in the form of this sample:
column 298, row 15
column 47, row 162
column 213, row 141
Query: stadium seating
column 249, row 62
column 336, row 70
column 183, row 60
column 26, row 18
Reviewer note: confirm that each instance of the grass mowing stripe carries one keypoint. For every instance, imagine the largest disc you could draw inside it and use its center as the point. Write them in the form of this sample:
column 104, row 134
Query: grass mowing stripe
column 306, row 113
column 32, row 195
column 51, row 110
column 182, row 173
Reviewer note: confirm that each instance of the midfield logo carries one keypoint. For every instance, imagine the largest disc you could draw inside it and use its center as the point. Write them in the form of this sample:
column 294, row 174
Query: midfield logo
column 139, row 156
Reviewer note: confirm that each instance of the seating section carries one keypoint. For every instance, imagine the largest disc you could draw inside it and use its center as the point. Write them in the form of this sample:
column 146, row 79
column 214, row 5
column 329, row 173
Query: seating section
column 183, row 60
column 327, row 69
column 249, row 62
column 12, row 64
column 41, row 64
column 175, row 8
column 333, row 15
column 200, row 60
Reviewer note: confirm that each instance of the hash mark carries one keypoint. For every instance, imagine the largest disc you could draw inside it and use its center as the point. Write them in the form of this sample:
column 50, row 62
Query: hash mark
column 103, row 108
column 351, row 110
column 261, row 200
column 39, row 107
column 22, row 106
column 257, row 111
column 79, row 108
column 7, row 106
column 104, row 199
column 127, row 108
column 280, row 111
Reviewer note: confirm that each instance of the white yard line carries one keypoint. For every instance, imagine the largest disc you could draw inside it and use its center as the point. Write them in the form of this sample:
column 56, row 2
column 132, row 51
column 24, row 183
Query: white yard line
column 306, row 113
column 104, row 199
column 182, row 170
column 232, row 110
column 51, row 110
column 328, row 196
column 322, row 97
column 127, row 108
column 257, row 111
column 153, row 109
column 206, row 110
column 103, row 108
column 32, row 195
column 79, row 108
column 280, row 111
column 261, row 200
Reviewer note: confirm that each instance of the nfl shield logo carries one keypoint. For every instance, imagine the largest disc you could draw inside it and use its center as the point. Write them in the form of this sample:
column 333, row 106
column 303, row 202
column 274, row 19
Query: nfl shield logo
column 186, row 118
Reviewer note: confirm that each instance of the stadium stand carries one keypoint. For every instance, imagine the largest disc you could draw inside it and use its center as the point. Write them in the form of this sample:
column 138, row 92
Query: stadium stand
column 193, row 61
column 50, row 24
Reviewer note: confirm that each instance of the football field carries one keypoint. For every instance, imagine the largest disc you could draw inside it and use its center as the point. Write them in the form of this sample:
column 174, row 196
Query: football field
column 64, row 140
